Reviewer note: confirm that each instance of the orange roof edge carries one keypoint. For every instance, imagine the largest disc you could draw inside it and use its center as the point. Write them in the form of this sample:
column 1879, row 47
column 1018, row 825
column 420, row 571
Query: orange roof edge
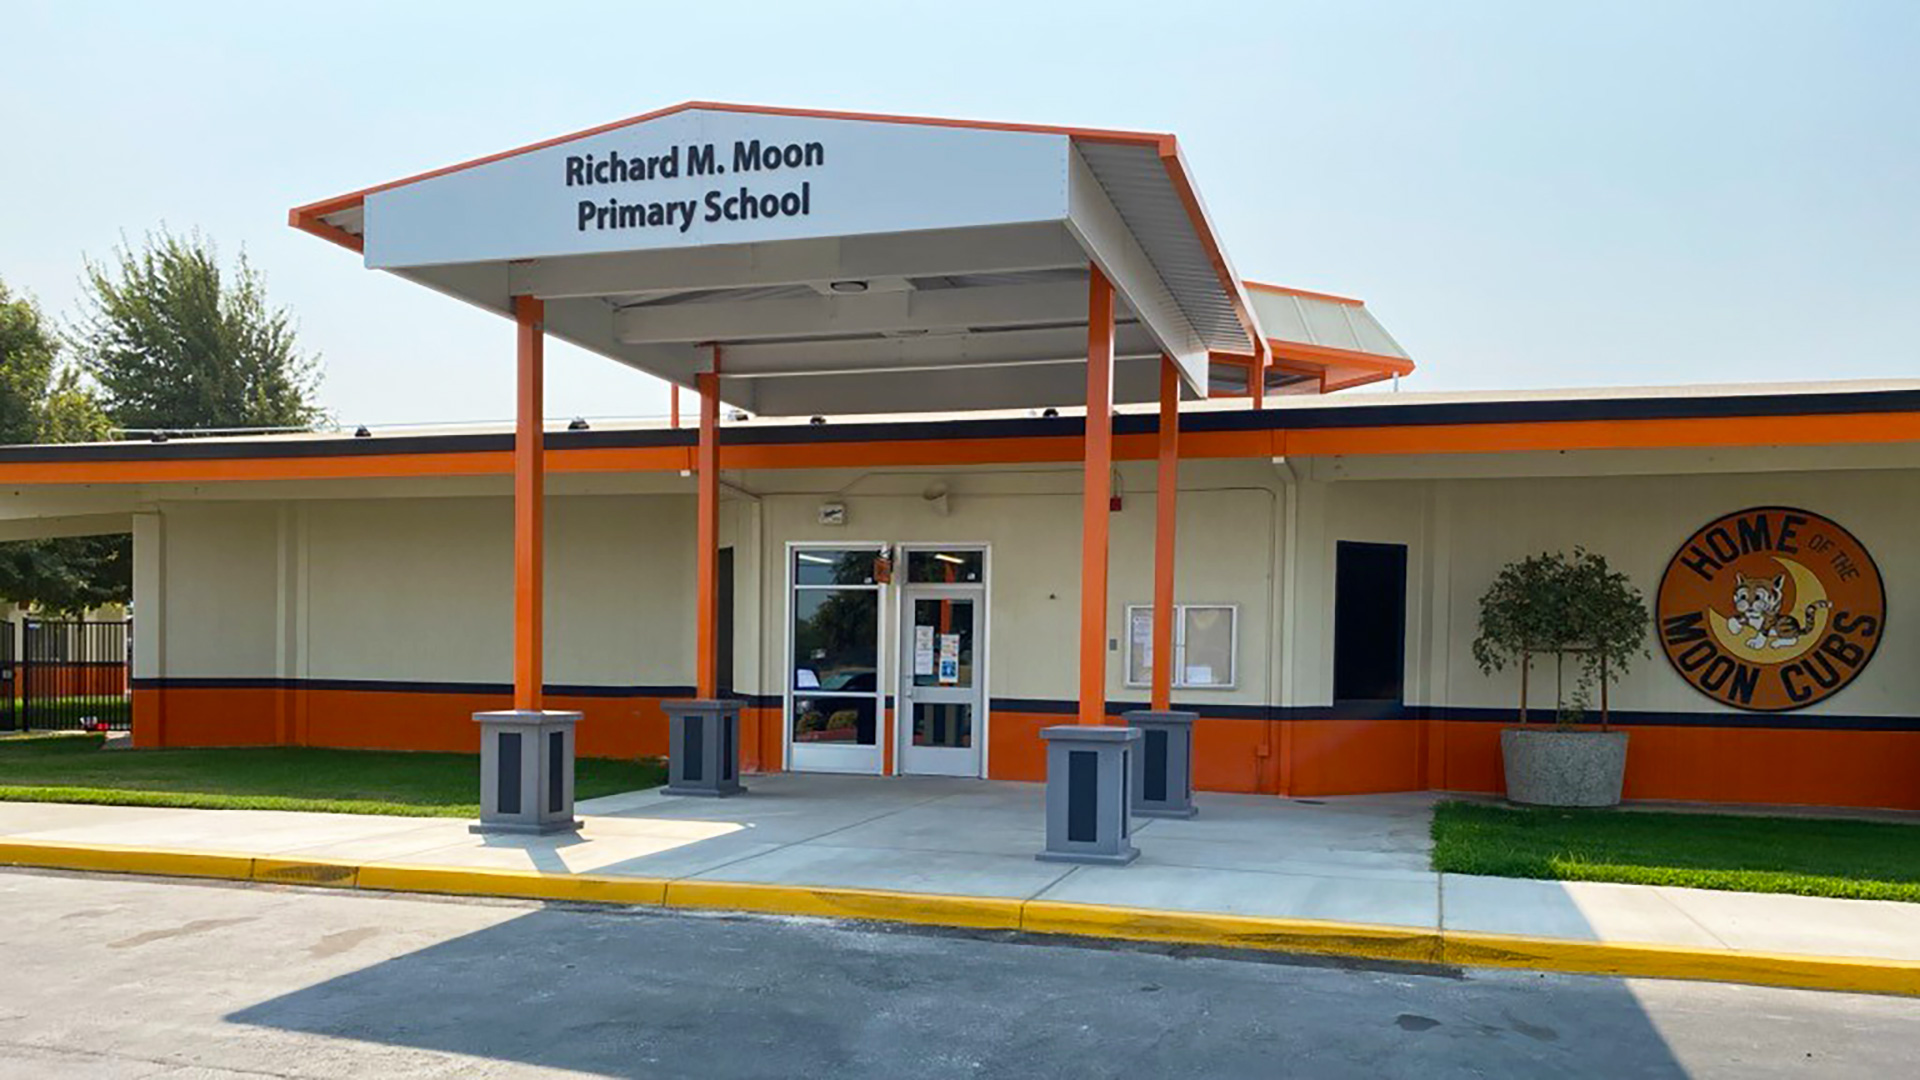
column 1329, row 355
column 307, row 217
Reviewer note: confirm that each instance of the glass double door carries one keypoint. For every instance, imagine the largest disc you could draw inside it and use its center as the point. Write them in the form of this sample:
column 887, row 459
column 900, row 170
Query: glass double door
column 848, row 694
column 939, row 705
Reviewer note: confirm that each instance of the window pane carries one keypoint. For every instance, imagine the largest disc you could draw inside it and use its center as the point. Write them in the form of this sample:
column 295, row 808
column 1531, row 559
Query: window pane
column 823, row 567
column 943, row 643
column 1227, row 378
column 943, row 724
column 945, row 567
column 1208, row 660
column 845, row 721
column 836, row 640
column 1139, row 646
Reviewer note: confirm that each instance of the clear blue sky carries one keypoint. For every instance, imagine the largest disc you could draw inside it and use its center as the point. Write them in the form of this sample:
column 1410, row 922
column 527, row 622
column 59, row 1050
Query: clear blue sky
column 1528, row 194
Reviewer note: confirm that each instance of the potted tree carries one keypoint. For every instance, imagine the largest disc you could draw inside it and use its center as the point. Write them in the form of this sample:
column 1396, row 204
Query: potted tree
column 1570, row 606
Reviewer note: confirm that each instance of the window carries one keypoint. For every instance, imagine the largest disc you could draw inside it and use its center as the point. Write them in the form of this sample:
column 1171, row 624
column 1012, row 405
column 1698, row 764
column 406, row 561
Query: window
column 835, row 634
column 945, row 567
column 1369, row 622
column 1205, row 642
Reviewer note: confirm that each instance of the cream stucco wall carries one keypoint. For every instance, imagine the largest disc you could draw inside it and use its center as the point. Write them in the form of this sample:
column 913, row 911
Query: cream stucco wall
column 221, row 562
column 415, row 584
column 1638, row 523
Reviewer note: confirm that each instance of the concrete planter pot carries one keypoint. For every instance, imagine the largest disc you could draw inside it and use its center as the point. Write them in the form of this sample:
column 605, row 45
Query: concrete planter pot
column 1564, row 768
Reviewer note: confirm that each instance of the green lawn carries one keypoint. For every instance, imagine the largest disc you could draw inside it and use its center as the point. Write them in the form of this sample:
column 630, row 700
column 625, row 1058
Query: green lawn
column 73, row 768
column 1866, row 860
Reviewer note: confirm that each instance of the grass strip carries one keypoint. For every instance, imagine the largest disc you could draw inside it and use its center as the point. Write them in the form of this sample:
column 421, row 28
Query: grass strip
column 1810, row 856
column 73, row 769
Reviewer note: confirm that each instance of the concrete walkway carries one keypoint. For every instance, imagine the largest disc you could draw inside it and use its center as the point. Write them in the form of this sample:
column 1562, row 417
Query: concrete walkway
column 1358, row 859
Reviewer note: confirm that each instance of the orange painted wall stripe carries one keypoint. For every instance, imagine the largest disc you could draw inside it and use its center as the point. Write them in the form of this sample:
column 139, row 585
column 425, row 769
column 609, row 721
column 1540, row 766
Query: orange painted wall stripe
column 1842, row 428
column 1879, row 769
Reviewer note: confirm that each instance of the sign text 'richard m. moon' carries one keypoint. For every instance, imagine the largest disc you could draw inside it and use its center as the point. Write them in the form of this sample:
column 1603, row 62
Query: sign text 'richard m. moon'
column 717, row 204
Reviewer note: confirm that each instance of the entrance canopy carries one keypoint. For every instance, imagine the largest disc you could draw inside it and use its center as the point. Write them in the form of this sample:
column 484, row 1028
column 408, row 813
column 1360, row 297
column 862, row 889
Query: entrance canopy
column 833, row 262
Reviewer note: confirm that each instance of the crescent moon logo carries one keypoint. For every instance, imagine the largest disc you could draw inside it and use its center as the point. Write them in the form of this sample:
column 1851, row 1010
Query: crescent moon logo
column 1805, row 593
column 1771, row 609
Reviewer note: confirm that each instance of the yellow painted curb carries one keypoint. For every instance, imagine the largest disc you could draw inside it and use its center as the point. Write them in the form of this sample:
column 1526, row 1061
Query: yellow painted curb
column 1233, row 931
column 977, row 912
column 1411, row 944
column 326, row 872
column 1628, row 960
column 518, row 884
column 114, row 859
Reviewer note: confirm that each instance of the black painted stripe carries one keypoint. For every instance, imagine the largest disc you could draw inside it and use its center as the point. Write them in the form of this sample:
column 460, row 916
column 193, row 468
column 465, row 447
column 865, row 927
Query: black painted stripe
column 1414, row 414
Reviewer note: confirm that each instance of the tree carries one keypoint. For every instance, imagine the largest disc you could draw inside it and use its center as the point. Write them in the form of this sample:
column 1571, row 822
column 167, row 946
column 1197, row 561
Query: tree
column 176, row 344
column 27, row 352
column 43, row 401
column 1559, row 603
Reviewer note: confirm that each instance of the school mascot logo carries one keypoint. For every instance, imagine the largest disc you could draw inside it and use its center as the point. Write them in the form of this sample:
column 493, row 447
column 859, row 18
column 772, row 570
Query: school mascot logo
column 1771, row 609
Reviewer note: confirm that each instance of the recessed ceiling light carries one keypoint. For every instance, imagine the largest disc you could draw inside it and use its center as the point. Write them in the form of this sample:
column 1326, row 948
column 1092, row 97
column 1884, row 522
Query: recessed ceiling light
column 848, row 286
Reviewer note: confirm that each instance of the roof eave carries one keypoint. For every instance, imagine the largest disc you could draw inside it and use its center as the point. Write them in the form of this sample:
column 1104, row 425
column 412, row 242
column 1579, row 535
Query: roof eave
column 310, row 217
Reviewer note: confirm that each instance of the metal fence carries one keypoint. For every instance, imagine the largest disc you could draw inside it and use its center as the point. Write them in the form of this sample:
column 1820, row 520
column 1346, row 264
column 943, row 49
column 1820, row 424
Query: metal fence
column 9, row 683
column 73, row 676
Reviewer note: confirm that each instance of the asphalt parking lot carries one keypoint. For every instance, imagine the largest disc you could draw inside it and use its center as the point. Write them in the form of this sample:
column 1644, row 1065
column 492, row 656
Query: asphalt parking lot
column 124, row 977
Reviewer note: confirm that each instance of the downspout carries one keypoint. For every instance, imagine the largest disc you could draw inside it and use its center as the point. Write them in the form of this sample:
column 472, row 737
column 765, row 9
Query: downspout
column 1282, row 680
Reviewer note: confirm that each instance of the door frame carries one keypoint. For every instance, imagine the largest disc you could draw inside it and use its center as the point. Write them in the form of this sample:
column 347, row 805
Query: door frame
column 881, row 674
column 982, row 649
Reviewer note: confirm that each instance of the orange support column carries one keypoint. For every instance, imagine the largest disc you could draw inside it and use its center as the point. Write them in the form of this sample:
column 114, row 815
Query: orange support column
column 703, row 732
column 1095, row 501
column 1166, row 498
column 529, row 498
column 707, row 579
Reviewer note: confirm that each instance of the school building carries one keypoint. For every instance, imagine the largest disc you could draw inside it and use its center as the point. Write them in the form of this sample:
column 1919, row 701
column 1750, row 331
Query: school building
column 984, row 433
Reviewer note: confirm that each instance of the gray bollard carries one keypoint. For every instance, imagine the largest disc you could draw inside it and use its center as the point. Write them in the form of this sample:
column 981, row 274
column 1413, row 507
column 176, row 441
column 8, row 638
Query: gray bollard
column 1163, row 775
column 1087, row 794
column 526, row 771
column 703, row 747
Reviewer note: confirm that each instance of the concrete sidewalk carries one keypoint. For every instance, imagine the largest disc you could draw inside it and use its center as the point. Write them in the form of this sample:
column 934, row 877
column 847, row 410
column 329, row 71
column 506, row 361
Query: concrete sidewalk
column 1358, row 862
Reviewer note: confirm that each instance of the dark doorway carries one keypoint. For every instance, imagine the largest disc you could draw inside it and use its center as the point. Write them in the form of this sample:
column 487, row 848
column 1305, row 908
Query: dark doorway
column 1370, row 622
column 723, row 656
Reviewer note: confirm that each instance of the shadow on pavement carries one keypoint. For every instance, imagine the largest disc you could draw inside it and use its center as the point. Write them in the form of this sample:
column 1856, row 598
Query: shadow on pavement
column 625, row 993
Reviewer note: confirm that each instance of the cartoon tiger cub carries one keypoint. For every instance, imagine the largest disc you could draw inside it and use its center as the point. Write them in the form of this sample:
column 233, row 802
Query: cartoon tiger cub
column 1758, row 601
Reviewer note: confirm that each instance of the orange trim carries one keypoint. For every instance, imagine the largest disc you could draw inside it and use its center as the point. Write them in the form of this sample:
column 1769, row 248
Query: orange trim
column 529, row 502
column 1604, row 435
column 1317, row 757
column 1257, row 374
column 1310, row 295
column 673, row 406
column 1166, row 497
column 707, row 573
column 1303, row 352
column 1810, row 430
column 1094, row 505
column 1328, row 387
